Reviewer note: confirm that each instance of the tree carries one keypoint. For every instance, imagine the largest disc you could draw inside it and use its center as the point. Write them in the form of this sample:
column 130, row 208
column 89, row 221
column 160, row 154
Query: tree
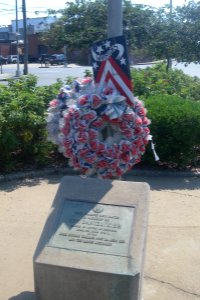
column 137, row 21
column 188, row 16
column 84, row 22
column 158, row 32
column 164, row 39
column 81, row 24
column 176, row 35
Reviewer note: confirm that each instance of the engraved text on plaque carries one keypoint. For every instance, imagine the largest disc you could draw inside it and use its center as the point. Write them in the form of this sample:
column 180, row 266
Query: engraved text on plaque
column 91, row 227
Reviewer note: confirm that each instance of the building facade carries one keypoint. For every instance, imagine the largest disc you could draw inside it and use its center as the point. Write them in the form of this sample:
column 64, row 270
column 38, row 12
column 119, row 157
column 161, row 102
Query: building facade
column 8, row 43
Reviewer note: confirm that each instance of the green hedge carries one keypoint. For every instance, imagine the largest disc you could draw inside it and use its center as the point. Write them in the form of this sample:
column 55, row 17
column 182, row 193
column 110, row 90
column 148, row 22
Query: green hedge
column 175, row 126
column 23, row 137
column 156, row 81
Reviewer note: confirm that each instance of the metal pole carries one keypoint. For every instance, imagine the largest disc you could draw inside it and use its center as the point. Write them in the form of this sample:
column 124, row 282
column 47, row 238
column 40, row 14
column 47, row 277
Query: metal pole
column 25, row 38
column 115, row 27
column 1, row 63
column 171, row 6
column 65, row 53
column 17, row 40
column 169, row 63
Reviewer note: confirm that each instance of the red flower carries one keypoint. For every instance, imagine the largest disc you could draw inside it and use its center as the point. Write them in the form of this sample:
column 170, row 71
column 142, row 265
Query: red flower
column 65, row 130
column 142, row 112
column 77, row 114
column 90, row 158
column 125, row 157
column 146, row 130
column 82, row 137
column 98, row 123
column 101, row 147
column 146, row 121
column 93, row 134
column 83, row 100
column 68, row 143
column 82, row 126
column 83, row 152
column 86, row 80
column 94, row 144
column 96, row 101
column 128, row 133
column 89, row 116
column 68, row 152
column 134, row 150
column 102, row 164
column 54, row 103
column 125, row 147
column 138, row 130
column 138, row 121
column 128, row 117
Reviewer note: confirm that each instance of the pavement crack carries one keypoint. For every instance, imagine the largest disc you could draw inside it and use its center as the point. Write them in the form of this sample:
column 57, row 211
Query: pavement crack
column 173, row 286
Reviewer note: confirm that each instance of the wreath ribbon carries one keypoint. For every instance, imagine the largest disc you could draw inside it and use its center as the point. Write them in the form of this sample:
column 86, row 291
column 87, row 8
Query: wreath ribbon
column 115, row 107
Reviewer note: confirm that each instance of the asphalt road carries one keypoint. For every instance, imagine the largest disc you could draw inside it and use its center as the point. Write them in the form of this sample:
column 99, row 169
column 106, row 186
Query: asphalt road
column 49, row 75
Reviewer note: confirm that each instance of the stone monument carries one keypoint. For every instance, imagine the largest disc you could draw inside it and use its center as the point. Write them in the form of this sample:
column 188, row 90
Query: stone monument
column 93, row 243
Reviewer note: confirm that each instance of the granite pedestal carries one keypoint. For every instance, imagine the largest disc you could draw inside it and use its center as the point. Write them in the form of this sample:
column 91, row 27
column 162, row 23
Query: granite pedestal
column 93, row 243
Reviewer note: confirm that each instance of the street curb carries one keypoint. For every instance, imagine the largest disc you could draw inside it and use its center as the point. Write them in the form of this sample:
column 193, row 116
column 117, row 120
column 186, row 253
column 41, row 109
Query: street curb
column 5, row 77
column 68, row 171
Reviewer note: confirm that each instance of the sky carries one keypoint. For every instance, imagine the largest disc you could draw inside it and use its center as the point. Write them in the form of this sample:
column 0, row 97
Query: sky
column 8, row 8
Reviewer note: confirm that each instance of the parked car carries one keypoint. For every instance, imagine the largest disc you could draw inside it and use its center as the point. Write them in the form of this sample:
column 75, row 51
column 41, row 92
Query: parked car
column 3, row 60
column 57, row 59
column 12, row 59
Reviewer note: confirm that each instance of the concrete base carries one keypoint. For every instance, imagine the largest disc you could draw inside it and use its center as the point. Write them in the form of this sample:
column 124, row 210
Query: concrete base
column 93, row 243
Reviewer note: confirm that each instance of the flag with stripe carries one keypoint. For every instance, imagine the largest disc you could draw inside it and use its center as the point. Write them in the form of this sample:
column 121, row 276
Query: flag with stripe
column 111, row 66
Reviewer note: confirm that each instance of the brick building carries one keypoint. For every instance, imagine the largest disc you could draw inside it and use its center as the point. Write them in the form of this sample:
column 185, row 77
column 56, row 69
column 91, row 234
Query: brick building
column 34, row 27
column 35, row 47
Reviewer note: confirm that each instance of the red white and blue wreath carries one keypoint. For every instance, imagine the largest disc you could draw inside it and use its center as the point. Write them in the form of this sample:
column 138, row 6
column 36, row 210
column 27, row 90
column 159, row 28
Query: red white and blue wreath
column 100, row 126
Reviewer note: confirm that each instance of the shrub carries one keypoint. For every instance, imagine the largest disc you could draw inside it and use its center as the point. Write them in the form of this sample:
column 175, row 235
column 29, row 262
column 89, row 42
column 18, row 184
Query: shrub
column 176, row 129
column 156, row 81
column 175, row 121
column 23, row 136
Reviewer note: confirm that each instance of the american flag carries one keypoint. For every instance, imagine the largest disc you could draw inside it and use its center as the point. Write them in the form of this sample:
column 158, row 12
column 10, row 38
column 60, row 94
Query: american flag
column 111, row 67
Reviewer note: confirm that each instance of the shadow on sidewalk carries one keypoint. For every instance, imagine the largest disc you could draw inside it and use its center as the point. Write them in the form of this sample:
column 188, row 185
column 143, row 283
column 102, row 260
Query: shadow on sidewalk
column 162, row 183
column 24, row 296
column 156, row 182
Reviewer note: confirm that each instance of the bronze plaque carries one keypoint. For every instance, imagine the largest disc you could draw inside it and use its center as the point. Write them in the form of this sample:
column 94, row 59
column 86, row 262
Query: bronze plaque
column 91, row 227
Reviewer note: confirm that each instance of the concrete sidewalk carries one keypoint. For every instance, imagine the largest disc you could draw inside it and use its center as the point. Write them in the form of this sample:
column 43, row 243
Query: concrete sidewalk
column 172, row 268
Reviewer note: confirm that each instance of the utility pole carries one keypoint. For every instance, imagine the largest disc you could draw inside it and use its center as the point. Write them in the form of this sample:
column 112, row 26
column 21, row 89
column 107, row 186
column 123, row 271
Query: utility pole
column 115, row 27
column 169, row 61
column 17, row 39
column 25, row 38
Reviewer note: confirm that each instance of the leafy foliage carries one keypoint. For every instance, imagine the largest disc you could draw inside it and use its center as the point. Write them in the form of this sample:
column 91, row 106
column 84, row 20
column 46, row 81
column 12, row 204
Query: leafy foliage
column 176, row 129
column 81, row 23
column 172, row 101
column 159, row 33
column 23, row 137
column 155, row 81
column 189, row 41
